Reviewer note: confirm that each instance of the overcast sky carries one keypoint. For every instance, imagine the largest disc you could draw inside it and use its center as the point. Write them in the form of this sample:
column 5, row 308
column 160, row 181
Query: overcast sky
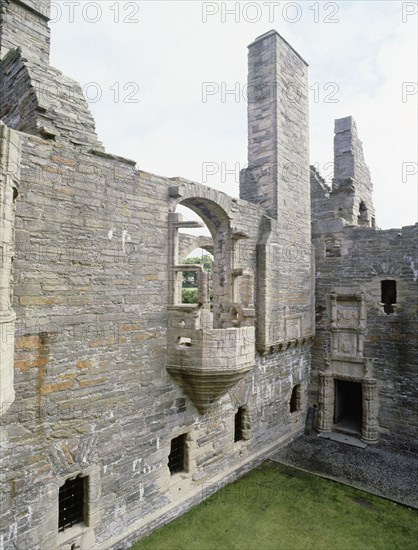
column 144, row 66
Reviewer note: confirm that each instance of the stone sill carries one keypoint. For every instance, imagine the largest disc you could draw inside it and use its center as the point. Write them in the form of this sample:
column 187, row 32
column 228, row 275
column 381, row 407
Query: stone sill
column 72, row 534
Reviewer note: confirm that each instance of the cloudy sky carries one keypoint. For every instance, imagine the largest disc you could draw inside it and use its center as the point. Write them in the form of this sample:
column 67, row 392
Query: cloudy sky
column 145, row 65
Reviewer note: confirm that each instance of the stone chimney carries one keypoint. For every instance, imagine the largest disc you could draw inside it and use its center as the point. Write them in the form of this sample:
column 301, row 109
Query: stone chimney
column 277, row 179
column 277, row 176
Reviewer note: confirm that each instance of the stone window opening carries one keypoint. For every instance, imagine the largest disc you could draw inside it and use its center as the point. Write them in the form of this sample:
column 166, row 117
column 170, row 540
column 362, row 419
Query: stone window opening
column 238, row 425
column 71, row 502
column 363, row 217
column 332, row 248
column 388, row 296
column 15, row 194
column 177, row 456
column 201, row 264
column 182, row 341
column 295, row 399
column 241, row 425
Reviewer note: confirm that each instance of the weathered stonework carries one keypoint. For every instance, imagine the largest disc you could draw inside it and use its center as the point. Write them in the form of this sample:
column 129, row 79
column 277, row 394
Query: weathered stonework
column 374, row 343
column 24, row 24
column 110, row 366
column 9, row 189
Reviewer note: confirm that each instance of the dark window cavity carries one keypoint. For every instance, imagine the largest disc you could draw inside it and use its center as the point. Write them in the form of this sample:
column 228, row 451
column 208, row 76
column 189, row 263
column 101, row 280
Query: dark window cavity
column 363, row 217
column 177, row 456
column 238, row 425
column 294, row 403
column 71, row 502
column 388, row 289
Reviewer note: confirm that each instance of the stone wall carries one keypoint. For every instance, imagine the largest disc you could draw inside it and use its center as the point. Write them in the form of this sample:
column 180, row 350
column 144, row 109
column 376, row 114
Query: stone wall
column 10, row 151
column 356, row 262
column 110, row 366
column 24, row 24
column 350, row 197
column 100, row 383
column 352, row 259
column 92, row 392
column 349, row 164
column 40, row 100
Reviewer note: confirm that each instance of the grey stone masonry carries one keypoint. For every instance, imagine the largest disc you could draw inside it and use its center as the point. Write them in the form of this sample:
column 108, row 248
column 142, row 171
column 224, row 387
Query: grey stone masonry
column 357, row 262
column 103, row 365
column 361, row 337
column 109, row 366
column 38, row 99
column 277, row 124
column 24, row 24
column 351, row 187
column 10, row 156
column 277, row 178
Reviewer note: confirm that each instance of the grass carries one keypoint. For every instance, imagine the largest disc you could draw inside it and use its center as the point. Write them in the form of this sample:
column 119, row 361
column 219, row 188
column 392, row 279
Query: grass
column 277, row 507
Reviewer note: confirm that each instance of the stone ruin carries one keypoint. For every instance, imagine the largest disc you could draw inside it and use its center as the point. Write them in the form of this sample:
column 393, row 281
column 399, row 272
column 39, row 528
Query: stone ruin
column 133, row 405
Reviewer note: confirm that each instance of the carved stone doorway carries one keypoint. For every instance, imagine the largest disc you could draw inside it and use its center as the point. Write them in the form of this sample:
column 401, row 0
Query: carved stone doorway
column 348, row 406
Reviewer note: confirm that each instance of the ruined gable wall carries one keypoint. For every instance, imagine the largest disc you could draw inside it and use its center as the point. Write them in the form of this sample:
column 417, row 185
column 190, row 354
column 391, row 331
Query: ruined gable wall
column 38, row 99
column 351, row 184
column 24, row 24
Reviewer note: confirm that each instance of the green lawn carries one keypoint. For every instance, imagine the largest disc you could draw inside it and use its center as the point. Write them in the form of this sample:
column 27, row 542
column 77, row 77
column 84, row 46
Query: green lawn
column 276, row 507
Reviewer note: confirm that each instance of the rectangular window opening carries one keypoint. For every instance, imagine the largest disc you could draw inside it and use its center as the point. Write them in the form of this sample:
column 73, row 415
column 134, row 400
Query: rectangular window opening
column 388, row 298
column 183, row 341
column 239, row 425
column 333, row 249
column 294, row 403
column 177, row 456
column 71, row 503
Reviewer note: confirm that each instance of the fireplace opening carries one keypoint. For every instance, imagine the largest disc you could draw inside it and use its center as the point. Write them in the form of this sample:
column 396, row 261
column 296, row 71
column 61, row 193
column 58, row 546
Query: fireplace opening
column 348, row 408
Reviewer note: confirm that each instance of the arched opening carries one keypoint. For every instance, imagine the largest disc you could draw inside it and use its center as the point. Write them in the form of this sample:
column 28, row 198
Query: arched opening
column 209, row 250
column 190, row 286
column 295, row 399
column 195, row 247
column 217, row 222
column 202, row 336
column 241, row 425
